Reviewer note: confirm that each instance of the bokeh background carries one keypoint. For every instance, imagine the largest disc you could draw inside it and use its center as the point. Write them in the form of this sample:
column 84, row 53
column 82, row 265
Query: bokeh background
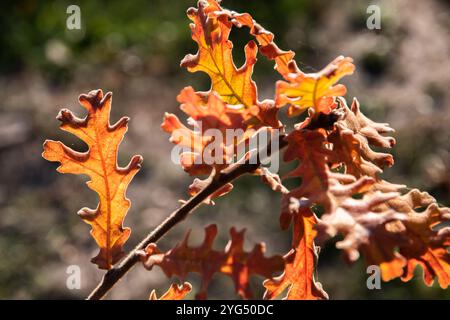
column 133, row 48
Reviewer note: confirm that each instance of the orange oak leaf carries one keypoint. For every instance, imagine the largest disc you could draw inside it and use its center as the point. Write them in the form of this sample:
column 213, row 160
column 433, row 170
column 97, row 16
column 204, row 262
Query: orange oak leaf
column 207, row 147
column 220, row 136
column 314, row 90
column 210, row 118
column 298, row 275
column 321, row 152
column 309, row 148
column 356, row 219
column 199, row 184
column 175, row 292
column 99, row 163
column 362, row 224
column 233, row 261
column 211, row 29
column 271, row 179
column 380, row 224
column 334, row 192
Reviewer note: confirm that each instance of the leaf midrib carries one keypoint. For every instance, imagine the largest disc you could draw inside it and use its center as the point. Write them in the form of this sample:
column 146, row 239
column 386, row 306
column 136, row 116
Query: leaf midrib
column 108, row 196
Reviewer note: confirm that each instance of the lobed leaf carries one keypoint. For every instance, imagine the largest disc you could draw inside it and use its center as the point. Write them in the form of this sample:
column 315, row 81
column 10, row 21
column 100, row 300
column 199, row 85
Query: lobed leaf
column 298, row 275
column 383, row 225
column 175, row 292
column 353, row 138
column 314, row 90
column 99, row 162
column 211, row 30
column 233, row 261
column 389, row 231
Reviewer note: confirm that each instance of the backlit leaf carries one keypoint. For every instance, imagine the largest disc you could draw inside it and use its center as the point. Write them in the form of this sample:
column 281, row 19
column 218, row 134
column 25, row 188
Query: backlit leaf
column 211, row 30
column 299, row 273
column 175, row 292
column 99, row 163
column 233, row 261
column 314, row 90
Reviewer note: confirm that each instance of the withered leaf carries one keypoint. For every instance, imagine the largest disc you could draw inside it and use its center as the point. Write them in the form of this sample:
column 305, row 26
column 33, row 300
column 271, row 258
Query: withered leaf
column 387, row 228
column 353, row 138
column 233, row 261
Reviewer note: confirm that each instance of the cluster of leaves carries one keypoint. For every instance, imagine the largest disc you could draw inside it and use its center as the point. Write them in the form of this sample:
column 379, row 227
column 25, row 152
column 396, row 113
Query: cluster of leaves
column 391, row 226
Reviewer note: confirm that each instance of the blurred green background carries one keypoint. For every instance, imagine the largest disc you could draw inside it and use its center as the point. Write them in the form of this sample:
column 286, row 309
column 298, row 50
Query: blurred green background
column 133, row 48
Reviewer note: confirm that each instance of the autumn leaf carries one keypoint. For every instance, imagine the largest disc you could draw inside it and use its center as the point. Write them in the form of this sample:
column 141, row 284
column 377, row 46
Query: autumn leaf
column 211, row 26
column 201, row 153
column 298, row 276
column 362, row 223
column 425, row 238
column 309, row 148
column 271, row 179
column 206, row 145
column 347, row 150
column 206, row 112
column 353, row 138
column 99, row 163
column 387, row 228
column 233, row 261
column 384, row 225
column 319, row 184
column 175, row 292
column 333, row 191
column 211, row 30
column 314, row 90
column 428, row 247
column 231, row 105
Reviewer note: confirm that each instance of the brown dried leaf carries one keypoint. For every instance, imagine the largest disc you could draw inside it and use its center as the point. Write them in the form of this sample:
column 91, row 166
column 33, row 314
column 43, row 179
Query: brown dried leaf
column 233, row 261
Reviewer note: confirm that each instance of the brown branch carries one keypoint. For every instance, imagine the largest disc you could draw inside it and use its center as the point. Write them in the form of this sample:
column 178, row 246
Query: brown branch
column 227, row 175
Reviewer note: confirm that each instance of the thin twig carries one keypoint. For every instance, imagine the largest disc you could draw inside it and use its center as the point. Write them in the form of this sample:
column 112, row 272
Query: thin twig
column 227, row 175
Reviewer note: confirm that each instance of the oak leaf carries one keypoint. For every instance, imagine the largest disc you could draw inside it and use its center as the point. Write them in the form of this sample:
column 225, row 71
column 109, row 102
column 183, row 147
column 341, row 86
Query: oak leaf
column 99, row 163
column 175, row 292
column 387, row 228
column 425, row 238
column 211, row 30
column 233, row 261
column 353, row 138
column 211, row 26
column 428, row 248
column 314, row 90
column 298, row 275
column 309, row 147
column 206, row 113
column 208, row 147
